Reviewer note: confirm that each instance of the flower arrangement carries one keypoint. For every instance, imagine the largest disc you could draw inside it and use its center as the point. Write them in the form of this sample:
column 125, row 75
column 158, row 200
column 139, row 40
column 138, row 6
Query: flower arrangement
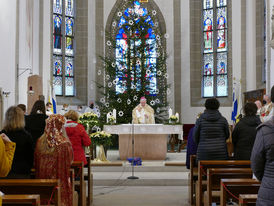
column 89, row 120
column 173, row 118
column 101, row 138
column 111, row 120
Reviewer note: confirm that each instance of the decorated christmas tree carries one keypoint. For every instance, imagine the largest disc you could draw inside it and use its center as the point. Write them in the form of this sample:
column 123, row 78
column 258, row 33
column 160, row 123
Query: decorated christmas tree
column 134, row 65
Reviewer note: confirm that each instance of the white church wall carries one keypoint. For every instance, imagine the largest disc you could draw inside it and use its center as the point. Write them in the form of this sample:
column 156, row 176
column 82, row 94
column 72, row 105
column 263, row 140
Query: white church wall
column 270, row 68
column 7, row 51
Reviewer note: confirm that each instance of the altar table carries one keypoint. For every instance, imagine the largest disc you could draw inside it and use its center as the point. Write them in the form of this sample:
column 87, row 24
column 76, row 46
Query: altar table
column 150, row 140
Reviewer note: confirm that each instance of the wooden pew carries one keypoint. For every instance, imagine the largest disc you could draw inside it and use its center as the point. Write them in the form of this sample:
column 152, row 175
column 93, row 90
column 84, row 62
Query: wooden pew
column 203, row 165
column 193, row 177
column 214, row 175
column 247, row 199
column 15, row 200
column 46, row 188
column 237, row 187
column 78, row 167
column 89, row 179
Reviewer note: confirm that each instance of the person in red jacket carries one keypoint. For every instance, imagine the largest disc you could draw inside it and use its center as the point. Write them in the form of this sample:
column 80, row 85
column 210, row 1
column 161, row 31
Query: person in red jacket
column 77, row 135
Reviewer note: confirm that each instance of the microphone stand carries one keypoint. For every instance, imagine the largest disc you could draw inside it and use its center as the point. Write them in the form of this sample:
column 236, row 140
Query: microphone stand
column 132, row 177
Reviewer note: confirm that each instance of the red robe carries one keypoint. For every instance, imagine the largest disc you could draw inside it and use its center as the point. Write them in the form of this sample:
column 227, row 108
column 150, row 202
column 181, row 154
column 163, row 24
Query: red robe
column 55, row 163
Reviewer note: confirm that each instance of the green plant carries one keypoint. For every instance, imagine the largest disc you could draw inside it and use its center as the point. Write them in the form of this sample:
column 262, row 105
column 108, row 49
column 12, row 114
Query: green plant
column 101, row 138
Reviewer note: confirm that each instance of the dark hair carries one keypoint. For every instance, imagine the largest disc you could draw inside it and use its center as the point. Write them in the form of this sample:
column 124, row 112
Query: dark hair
column 39, row 105
column 212, row 104
column 23, row 107
column 272, row 94
column 48, row 103
column 250, row 109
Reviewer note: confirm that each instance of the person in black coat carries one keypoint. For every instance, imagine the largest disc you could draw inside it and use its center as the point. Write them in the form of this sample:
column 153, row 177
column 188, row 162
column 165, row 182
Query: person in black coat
column 244, row 133
column 36, row 121
column 210, row 133
column 262, row 160
column 24, row 151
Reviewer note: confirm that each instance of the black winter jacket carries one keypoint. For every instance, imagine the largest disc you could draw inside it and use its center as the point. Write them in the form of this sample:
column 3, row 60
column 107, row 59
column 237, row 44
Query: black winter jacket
column 262, row 162
column 210, row 134
column 243, row 137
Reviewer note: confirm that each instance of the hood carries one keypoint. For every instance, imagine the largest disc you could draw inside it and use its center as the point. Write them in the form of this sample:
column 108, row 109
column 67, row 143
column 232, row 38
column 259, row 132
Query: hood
column 211, row 115
column 251, row 120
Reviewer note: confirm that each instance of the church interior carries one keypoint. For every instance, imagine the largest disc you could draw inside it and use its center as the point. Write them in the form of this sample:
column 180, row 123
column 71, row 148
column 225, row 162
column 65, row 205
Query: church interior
column 137, row 102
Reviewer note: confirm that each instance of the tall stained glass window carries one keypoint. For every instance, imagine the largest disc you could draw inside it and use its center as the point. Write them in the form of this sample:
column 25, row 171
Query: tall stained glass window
column 214, row 69
column 125, row 42
column 63, row 47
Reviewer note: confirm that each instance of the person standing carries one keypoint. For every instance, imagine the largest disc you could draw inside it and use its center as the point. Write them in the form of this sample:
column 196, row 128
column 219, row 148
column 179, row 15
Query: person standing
column 244, row 133
column 64, row 110
column 23, row 157
column 143, row 113
column 267, row 112
column 211, row 132
column 77, row 135
column 54, row 155
column 49, row 109
column 262, row 160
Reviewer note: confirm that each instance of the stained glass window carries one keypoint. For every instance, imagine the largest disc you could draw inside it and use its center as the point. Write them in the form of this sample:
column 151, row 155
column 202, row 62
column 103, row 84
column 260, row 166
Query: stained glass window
column 124, row 42
column 214, row 69
column 63, row 47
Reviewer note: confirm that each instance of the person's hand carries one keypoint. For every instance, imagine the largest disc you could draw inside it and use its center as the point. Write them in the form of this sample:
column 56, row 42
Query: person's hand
column 5, row 138
column 146, row 116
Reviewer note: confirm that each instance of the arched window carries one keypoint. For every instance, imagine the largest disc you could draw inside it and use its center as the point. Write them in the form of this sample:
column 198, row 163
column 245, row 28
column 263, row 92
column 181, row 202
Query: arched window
column 63, row 49
column 128, row 49
column 215, row 48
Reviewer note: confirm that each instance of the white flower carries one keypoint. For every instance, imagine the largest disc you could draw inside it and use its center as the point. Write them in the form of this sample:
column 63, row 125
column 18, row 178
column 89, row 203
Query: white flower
column 102, row 100
column 130, row 22
column 157, row 101
column 128, row 101
column 109, row 84
column 113, row 64
column 159, row 73
column 135, row 98
column 108, row 43
column 158, row 110
column 154, row 12
column 114, row 24
column 119, row 100
column 119, row 13
column 107, row 77
column 166, row 35
column 121, row 113
column 99, row 72
column 152, row 103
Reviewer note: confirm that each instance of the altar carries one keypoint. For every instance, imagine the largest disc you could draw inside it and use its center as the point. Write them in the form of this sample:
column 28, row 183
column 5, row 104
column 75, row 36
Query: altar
column 150, row 140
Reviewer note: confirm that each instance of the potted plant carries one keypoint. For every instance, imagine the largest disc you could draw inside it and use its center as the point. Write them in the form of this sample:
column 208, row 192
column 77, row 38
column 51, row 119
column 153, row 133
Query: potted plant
column 101, row 139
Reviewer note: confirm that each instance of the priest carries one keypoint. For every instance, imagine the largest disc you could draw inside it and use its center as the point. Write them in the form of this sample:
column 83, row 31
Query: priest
column 143, row 113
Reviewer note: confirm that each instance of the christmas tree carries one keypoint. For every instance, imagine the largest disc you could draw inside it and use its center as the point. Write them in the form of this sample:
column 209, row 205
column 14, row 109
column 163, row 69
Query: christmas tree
column 134, row 65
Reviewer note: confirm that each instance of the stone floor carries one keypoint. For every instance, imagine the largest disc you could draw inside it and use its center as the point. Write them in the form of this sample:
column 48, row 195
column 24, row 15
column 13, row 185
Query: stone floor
column 157, row 184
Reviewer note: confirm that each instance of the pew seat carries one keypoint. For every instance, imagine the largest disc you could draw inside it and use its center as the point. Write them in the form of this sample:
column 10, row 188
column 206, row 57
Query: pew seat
column 16, row 200
column 247, row 199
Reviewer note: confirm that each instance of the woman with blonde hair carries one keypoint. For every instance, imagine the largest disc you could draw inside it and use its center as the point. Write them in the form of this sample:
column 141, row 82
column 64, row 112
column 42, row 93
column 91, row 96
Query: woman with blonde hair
column 53, row 156
column 77, row 135
column 23, row 157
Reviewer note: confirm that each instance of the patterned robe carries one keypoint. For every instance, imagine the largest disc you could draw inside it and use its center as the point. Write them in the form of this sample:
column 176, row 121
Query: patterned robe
column 139, row 116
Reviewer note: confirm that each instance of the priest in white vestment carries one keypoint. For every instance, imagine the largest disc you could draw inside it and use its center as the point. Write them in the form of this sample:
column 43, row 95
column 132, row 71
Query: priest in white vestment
column 143, row 113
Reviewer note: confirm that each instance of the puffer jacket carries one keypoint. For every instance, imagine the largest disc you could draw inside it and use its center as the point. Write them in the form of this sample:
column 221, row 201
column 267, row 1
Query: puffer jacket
column 210, row 134
column 78, row 138
column 243, row 137
column 262, row 162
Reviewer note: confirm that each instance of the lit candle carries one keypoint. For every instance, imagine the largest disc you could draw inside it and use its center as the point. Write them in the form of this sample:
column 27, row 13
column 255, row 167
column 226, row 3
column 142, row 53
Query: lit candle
column 114, row 114
column 177, row 115
column 108, row 115
column 169, row 112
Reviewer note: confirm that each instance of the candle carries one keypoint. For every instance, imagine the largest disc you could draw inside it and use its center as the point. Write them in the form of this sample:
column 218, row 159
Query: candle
column 114, row 113
column 177, row 115
column 108, row 115
column 169, row 112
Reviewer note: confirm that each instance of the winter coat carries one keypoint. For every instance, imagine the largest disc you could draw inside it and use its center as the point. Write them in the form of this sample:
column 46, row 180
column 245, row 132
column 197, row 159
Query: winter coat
column 243, row 137
column 35, row 125
column 262, row 162
column 6, row 156
column 78, row 138
column 210, row 134
column 24, row 153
